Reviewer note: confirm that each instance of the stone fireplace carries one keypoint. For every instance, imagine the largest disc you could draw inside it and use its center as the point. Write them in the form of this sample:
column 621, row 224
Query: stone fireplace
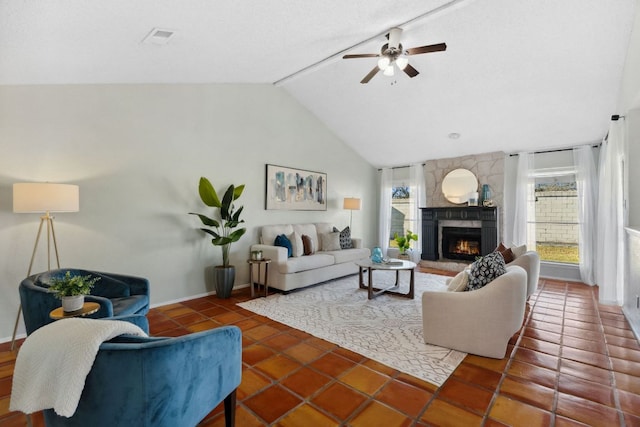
column 488, row 169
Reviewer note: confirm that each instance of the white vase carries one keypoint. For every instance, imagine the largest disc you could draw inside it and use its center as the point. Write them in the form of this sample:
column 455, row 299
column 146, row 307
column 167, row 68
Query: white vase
column 73, row 303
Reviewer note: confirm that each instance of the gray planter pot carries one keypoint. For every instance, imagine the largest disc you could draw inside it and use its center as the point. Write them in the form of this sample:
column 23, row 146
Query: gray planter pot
column 224, row 279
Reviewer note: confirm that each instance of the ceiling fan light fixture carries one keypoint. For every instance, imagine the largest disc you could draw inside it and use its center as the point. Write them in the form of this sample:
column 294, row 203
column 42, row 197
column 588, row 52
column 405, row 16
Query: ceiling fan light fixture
column 383, row 63
column 402, row 62
column 394, row 53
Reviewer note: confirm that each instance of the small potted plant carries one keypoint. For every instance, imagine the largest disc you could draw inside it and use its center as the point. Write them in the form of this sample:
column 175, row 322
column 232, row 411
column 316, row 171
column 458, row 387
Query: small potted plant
column 72, row 289
column 404, row 242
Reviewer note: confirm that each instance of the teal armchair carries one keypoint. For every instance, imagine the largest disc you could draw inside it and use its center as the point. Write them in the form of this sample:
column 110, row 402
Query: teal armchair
column 160, row 382
column 117, row 294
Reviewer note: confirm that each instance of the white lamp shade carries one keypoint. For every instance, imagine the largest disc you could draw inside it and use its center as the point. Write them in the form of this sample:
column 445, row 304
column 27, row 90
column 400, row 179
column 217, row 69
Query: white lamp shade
column 40, row 197
column 352, row 203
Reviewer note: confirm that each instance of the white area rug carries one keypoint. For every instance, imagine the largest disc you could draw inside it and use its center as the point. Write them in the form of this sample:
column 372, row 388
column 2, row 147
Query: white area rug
column 387, row 329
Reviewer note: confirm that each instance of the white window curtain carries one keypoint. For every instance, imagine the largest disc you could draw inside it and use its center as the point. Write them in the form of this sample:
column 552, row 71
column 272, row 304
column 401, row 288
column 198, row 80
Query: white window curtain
column 610, row 234
column 524, row 230
column 386, row 183
column 419, row 197
column 587, row 186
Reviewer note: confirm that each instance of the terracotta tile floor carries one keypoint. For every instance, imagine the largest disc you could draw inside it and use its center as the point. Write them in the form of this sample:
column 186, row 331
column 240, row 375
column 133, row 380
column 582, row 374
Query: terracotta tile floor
column 574, row 362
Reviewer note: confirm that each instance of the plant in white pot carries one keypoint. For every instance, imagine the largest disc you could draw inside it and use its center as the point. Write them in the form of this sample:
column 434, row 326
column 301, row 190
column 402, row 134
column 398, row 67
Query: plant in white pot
column 404, row 243
column 72, row 289
column 223, row 228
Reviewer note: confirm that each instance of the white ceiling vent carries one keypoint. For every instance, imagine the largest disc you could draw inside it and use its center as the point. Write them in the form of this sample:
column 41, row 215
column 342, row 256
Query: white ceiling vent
column 158, row 36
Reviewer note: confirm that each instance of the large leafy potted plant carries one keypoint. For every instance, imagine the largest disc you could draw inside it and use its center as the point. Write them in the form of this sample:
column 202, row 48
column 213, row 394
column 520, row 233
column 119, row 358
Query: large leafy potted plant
column 72, row 289
column 404, row 242
column 223, row 228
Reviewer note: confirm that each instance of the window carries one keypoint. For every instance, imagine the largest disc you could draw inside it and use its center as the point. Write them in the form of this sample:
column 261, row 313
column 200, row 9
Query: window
column 404, row 207
column 553, row 227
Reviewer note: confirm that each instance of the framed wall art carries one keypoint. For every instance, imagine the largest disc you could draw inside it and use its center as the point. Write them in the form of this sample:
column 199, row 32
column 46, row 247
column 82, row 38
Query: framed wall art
column 295, row 189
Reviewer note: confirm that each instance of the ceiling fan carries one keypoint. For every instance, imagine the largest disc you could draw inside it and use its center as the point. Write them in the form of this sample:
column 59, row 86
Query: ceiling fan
column 392, row 53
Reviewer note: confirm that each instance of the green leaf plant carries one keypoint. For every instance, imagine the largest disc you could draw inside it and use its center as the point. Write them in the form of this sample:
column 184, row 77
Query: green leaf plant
column 69, row 286
column 226, row 218
column 404, row 242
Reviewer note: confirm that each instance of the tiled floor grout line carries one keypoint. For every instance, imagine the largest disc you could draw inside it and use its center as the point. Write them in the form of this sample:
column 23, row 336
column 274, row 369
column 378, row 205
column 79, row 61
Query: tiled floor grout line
column 514, row 350
column 556, row 387
column 616, row 397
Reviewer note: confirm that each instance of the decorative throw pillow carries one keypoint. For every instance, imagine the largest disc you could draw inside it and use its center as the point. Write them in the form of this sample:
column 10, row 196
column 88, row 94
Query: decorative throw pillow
column 331, row 242
column 485, row 269
column 501, row 247
column 507, row 254
column 459, row 283
column 345, row 238
column 296, row 244
column 282, row 241
column 518, row 250
column 307, row 244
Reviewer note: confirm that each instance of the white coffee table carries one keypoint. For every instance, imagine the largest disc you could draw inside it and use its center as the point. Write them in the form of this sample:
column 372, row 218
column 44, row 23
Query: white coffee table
column 396, row 265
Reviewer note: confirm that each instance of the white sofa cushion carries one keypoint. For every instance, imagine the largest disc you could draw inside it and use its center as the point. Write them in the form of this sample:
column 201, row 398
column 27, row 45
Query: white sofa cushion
column 330, row 241
column 308, row 230
column 347, row 255
column 296, row 244
column 322, row 228
column 303, row 263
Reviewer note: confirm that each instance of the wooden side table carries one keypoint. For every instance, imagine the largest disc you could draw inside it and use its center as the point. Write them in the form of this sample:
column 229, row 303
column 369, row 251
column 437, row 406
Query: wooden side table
column 259, row 263
column 87, row 309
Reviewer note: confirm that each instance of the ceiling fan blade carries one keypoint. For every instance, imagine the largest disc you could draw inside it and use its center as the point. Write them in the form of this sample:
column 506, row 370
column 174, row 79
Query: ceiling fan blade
column 411, row 72
column 426, row 49
column 361, row 55
column 370, row 75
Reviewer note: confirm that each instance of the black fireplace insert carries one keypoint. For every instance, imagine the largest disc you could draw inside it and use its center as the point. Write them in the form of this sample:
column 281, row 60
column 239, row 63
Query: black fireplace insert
column 462, row 243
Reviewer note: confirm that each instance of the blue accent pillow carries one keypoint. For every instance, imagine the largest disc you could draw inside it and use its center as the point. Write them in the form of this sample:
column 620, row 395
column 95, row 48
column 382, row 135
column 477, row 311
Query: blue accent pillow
column 284, row 242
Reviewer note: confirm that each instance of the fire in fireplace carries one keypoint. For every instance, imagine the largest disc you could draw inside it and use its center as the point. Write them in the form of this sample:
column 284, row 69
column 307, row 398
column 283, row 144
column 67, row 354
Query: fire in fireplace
column 461, row 243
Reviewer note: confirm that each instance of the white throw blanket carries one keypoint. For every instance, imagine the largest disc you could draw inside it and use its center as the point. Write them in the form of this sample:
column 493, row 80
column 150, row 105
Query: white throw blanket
column 54, row 361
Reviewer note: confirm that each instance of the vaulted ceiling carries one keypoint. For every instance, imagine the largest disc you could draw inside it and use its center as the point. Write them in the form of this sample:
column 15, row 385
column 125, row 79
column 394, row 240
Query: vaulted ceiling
column 516, row 75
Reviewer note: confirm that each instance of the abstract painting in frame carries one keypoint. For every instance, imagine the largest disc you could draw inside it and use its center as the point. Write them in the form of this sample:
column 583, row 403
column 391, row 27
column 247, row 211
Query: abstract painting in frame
column 295, row 189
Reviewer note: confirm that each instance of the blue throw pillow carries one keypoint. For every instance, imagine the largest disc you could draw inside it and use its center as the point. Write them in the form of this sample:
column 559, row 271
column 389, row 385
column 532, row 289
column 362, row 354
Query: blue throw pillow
column 282, row 240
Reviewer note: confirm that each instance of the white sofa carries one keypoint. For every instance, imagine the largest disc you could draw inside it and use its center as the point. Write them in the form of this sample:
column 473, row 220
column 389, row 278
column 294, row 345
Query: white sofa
column 478, row 322
column 289, row 273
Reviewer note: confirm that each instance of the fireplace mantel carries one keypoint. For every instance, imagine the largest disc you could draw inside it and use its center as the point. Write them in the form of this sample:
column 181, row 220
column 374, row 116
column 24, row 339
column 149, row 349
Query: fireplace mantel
column 431, row 216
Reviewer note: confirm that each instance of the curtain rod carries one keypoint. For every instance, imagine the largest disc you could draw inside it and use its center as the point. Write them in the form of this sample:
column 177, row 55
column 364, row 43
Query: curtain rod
column 555, row 151
column 401, row 167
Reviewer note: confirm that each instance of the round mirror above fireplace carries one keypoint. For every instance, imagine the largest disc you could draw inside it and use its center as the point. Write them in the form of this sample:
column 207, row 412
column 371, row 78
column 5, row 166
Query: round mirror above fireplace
column 458, row 185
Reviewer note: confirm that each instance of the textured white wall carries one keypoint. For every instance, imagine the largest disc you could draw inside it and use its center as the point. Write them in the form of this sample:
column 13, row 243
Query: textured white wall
column 137, row 153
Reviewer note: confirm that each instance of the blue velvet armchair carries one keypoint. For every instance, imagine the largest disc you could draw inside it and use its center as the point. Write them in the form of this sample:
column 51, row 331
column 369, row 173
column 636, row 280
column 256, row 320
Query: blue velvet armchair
column 157, row 381
column 118, row 295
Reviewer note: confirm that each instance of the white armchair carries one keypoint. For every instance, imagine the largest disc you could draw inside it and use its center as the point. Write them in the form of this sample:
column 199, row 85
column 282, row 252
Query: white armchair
column 530, row 261
column 480, row 322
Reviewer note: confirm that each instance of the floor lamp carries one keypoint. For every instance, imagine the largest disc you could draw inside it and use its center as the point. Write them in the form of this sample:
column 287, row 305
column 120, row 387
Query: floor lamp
column 353, row 204
column 47, row 198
